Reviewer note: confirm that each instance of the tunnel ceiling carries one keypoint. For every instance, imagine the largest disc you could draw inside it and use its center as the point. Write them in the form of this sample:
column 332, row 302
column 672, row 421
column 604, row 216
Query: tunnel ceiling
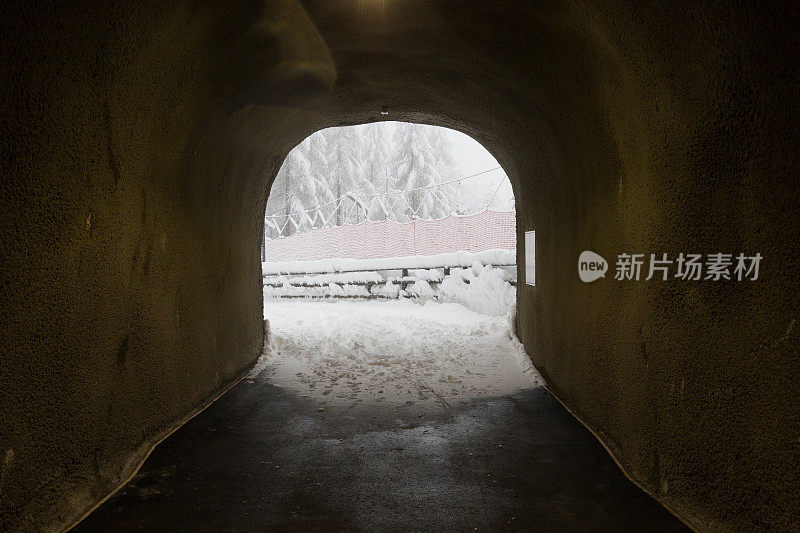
column 139, row 141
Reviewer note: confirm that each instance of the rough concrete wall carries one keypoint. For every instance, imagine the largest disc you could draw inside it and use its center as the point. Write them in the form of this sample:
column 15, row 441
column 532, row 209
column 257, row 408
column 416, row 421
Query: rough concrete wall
column 130, row 216
column 142, row 139
column 692, row 385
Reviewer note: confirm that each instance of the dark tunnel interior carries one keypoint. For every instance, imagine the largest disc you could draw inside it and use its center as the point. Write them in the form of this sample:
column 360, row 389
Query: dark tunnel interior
column 139, row 140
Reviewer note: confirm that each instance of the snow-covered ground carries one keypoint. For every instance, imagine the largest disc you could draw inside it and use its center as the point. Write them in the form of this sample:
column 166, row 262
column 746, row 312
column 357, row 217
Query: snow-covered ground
column 394, row 351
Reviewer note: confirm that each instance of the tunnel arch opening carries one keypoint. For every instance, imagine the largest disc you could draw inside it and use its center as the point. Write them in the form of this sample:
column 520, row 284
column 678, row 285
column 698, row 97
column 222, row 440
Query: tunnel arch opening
column 392, row 223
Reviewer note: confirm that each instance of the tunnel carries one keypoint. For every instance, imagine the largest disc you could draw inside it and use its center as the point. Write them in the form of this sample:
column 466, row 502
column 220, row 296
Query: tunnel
column 139, row 140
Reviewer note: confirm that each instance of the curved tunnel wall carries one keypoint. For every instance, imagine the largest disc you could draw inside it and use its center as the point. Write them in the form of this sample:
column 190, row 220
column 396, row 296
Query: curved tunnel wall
column 139, row 142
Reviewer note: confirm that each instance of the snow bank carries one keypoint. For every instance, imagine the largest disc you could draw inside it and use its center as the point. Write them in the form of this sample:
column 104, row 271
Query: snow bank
column 398, row 352
column 457, row 259
column 421, row 289
column 482, row 289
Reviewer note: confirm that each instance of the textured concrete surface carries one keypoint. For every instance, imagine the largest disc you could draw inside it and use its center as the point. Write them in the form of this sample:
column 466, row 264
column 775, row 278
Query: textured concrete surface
column 138, row 141
column 262, row 459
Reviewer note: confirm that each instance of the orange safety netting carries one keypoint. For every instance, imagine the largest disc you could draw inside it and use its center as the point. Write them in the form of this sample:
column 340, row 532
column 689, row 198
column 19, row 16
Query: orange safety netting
column 486, row 230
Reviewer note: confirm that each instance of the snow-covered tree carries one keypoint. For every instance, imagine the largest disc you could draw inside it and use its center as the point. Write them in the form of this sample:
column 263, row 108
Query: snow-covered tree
column 296, row 193
column 346, row 175
column 377, row 153
column 344, row 172
column 415, row 171
column 315, row 149
column 446, row 165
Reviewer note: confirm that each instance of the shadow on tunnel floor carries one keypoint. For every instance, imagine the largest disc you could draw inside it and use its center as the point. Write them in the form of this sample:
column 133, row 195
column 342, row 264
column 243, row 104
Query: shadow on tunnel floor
column 261, row 458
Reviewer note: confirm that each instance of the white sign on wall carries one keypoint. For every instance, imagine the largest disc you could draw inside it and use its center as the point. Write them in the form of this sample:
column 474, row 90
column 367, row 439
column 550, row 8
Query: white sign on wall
column 530, row 258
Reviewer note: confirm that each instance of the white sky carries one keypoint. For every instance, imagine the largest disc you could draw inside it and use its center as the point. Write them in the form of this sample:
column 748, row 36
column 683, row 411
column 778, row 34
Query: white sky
column 470, row 155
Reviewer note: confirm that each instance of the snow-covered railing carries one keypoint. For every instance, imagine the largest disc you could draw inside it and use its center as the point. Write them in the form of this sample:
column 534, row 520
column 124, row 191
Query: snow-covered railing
column 497, row 257
column 482, row 288
column 484, row 280
column 390, row 283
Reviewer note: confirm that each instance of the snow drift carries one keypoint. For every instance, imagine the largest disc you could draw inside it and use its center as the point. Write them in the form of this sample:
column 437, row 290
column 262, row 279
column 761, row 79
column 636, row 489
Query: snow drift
column 483, row 289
